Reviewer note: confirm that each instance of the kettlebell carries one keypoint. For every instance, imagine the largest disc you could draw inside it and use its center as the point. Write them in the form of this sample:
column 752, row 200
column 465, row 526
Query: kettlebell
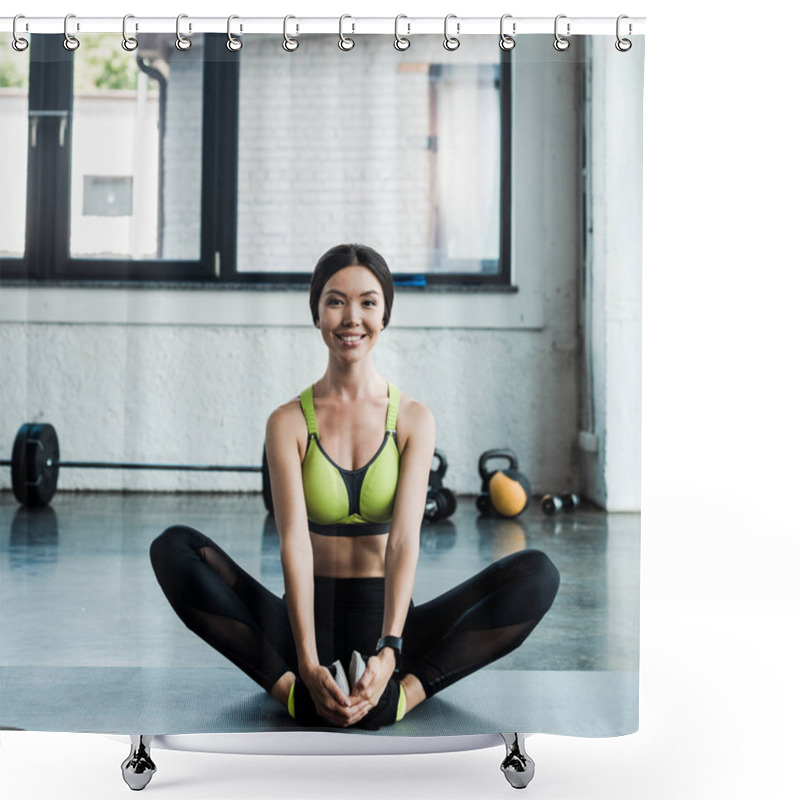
column 504, row 492
column 440, row 502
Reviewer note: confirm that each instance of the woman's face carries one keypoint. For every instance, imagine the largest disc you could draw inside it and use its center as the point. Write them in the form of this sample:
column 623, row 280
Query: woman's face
column 351, row 312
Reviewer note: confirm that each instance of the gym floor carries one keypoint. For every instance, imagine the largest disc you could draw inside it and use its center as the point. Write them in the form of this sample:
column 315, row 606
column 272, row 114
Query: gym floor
column 78, row 592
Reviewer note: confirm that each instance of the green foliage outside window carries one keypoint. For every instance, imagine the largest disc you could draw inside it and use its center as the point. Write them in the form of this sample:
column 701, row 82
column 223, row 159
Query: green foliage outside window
column 100, row 63
column 13, row 65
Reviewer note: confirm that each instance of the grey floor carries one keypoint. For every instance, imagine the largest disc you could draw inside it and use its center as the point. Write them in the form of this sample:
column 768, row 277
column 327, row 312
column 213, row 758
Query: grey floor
column 84, row 625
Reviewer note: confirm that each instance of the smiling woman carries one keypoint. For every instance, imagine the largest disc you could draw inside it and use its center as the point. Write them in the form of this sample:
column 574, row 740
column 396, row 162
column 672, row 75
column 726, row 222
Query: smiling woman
column 346, row 255
column 349, row 466
column 352, row 309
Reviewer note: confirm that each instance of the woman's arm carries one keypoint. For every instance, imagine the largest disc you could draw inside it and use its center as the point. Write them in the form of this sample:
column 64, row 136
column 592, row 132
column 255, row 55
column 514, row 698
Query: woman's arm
column 290, row 517
column 402, row 550
column 297, row 559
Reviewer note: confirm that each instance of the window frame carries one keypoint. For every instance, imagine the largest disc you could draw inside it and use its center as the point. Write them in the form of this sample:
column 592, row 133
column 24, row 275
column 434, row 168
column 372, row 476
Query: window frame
column 47, row 261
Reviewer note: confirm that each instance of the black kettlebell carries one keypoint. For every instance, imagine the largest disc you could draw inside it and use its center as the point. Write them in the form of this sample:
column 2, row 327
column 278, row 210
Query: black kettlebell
column 504, row 492
column 553, row 503
column 440, row 502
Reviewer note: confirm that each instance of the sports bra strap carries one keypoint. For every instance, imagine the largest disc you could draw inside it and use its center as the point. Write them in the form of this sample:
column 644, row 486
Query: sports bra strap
column 394, row 404
column 307, row 402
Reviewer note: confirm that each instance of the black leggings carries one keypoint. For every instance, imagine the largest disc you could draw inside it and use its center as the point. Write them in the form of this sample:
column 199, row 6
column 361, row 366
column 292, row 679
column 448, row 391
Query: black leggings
column 445, row 639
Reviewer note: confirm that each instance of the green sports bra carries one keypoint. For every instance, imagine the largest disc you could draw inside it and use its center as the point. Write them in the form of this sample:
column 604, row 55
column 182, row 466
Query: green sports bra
column 345, row 502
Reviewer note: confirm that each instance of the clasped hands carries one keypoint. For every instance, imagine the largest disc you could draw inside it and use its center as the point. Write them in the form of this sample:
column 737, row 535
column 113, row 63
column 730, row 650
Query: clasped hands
column 342, row 710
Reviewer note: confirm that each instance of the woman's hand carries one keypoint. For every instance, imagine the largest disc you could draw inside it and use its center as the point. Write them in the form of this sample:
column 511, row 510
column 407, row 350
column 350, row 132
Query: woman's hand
column 330, row 701
column 371, row 685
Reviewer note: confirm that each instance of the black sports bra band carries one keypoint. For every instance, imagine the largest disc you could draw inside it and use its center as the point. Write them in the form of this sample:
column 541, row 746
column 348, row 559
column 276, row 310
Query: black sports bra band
column 350, row 529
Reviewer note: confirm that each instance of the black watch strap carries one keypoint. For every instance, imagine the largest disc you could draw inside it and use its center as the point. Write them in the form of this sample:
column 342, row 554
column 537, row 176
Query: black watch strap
column 395, row 642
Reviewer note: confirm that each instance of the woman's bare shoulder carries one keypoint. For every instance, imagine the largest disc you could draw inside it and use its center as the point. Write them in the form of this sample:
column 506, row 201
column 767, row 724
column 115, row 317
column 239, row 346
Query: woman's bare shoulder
column 414, row 411
column 415, row 419
column 287, row 417
column 288, row 409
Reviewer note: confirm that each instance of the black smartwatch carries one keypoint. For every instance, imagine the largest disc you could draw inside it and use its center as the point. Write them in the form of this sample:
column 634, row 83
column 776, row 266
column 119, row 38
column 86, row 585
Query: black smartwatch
column 396, row 644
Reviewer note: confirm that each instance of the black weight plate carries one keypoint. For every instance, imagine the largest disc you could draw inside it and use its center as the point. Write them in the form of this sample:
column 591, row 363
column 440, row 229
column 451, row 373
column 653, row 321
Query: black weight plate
column 45, row 461
column 436, row 475
column 449, row 500
column 19, row 461
column 551, row 504
column 37, row 464
column 570, row 500
column 434, row 506
column 48, row 461
column 266, row 489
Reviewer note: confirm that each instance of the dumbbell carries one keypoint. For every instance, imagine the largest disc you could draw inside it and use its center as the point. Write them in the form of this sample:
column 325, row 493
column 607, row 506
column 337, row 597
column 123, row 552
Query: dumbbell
column 35, row 464
column 504, row 492
column 440, row 502
column 553, row 503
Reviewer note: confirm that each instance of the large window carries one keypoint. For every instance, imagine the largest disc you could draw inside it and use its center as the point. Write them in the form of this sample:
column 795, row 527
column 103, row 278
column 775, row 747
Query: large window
column 217, row 167
column 136, row 150
column 14, row 69
column 405, row 154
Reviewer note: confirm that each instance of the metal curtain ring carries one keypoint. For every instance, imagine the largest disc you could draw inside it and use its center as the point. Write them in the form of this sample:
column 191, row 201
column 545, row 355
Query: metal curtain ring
column 70, row 42
column 344, row 42
column 19, row 43
column 233, row 44
column 181, row 42
column 623, row 45
column 129, row 43
column 451, row 42
column 289, row 44
column 506, row 41
column 400, row 42
column 560, row 42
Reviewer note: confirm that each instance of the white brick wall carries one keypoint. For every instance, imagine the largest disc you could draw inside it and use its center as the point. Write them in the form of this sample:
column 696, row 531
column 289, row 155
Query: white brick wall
column 202, row 395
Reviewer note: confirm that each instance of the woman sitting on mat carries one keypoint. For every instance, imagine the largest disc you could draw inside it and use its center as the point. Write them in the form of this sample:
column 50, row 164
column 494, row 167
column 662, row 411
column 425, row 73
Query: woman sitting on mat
column 349, row 462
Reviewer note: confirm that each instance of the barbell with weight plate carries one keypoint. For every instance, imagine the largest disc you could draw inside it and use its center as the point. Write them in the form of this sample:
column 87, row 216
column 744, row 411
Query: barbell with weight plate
column 35, row 464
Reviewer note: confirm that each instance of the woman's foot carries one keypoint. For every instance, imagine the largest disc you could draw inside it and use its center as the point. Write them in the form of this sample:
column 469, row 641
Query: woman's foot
column 392, row 705
column 299, row 703
column 283, row 687
column 356, row 668
column 386, row 712
column 414, row 692
column 340, row 677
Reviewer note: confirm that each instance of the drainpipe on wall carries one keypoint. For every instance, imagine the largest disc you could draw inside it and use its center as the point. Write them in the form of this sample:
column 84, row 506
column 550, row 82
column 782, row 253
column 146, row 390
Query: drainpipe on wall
column 161, row 80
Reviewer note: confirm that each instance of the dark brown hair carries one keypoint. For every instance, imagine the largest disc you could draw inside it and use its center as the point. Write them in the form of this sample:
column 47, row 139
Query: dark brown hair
column 351, row 255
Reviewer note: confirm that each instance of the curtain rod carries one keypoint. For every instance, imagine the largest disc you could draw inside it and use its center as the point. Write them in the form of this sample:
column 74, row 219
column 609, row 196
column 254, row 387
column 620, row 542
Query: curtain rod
column 406, row 26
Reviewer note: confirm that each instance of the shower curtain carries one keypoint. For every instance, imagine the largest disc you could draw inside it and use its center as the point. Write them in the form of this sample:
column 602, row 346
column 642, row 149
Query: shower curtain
column 162, row 210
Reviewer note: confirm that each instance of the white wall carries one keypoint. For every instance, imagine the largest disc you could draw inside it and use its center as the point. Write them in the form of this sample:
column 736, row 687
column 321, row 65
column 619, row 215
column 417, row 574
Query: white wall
column 13, row 147
column 612, row 475
column 191, row 374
